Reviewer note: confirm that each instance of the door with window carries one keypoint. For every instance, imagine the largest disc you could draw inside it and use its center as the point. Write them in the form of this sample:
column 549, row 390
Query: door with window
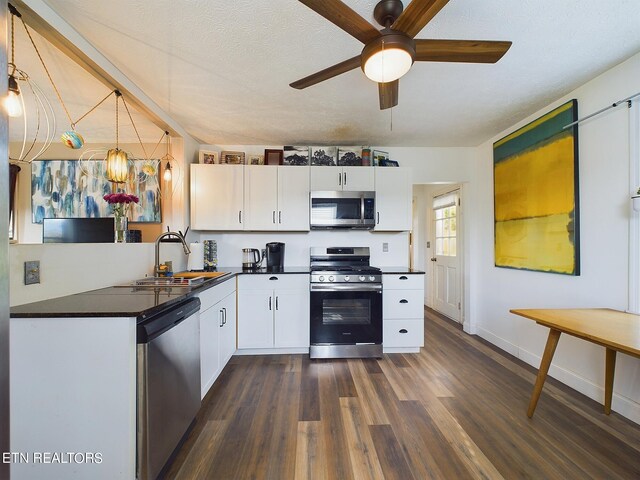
column 446, row 258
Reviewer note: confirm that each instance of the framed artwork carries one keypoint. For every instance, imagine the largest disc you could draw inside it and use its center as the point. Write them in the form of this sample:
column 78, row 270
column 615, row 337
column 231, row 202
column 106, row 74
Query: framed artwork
column 74, row 189
column 273, row 157
column 255, row 160
column 378, row 156
column 349, row 156
column 209, row 157
column 535, row 177
column 232, row 158
column 388, row 163
column 324, row 156
column 296, row 155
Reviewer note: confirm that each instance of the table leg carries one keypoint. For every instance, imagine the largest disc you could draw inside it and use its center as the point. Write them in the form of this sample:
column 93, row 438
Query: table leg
column 549, row 350
column 608, row 379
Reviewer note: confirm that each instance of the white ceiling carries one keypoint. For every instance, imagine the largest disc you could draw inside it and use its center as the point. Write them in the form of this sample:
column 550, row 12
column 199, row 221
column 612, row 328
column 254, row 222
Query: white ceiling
column 222, row 69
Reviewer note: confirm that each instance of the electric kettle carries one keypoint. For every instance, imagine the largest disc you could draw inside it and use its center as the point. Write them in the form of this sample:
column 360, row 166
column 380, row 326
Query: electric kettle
column 251, row 258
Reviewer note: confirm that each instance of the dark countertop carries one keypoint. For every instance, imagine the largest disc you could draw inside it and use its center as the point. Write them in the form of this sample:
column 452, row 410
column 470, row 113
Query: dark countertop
column 401, row 271
column 264, row 271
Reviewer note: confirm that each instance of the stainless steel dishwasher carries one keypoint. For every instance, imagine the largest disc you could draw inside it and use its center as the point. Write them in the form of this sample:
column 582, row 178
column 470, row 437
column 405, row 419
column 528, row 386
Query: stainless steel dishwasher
column 168, row 396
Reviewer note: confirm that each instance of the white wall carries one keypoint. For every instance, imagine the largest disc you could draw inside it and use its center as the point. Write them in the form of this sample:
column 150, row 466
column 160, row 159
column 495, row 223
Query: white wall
column 604, row 231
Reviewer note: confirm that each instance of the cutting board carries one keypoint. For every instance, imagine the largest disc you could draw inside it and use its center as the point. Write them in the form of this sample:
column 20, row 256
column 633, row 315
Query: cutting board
column 199, row 274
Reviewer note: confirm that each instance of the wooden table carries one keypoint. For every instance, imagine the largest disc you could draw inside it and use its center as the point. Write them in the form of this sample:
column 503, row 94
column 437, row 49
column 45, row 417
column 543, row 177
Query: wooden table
column 616, row 331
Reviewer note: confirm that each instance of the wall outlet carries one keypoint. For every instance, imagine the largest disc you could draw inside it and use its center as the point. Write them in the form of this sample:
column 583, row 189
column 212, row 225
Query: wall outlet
column 428, row 244
column 31, row 272
column 385, row 247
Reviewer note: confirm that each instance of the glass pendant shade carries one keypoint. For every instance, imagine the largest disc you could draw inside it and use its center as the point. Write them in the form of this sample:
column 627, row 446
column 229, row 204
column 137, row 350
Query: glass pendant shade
column 117, row 166
column 167, row 173
column 13, row 103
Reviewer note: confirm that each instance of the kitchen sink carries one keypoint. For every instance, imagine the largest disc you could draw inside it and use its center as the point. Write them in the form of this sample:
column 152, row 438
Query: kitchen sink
column 165, row 282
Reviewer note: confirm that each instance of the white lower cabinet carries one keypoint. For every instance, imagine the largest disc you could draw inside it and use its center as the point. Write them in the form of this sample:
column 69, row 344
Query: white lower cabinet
column 403, row 312
column 273, row 311
column 217, row 331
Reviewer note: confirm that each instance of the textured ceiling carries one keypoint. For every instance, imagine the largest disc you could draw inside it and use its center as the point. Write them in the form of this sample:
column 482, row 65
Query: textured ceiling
column 221, row 69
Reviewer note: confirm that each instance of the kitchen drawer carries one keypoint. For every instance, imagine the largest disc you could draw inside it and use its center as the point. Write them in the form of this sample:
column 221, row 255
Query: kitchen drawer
column 406, row 281
column 273, row 281
column 403, row 333
column 213, row 295
column 402, row 303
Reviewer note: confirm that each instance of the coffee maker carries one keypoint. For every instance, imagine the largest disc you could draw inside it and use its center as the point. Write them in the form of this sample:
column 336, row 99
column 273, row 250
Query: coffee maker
column 275, row 256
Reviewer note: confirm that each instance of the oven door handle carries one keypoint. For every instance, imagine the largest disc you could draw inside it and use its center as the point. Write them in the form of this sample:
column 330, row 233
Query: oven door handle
column 345, row 287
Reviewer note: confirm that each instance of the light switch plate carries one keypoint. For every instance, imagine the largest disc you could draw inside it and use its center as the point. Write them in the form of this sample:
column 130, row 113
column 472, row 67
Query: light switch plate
column 385, row 247
column 31, row 272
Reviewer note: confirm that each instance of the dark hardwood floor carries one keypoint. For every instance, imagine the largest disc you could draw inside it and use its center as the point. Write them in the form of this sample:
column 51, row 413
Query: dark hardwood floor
column 455, row 411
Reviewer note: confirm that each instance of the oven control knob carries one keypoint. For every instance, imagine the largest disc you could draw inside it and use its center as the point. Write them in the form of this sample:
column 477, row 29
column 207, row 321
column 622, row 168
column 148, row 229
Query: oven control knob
column 362, row 278
column 321, row 278
column 331, row 278
column 372, row 278
column 347, row 278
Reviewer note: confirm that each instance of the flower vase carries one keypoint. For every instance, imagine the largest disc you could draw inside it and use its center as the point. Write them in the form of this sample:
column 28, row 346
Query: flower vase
column 120, row 223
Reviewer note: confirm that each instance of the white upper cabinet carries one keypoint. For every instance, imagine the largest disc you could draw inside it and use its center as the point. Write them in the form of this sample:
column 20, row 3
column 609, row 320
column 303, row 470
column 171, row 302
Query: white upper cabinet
column 217, row 197
column 393, row 198
column 293, row 198
column 276, row 198
column 350, row 179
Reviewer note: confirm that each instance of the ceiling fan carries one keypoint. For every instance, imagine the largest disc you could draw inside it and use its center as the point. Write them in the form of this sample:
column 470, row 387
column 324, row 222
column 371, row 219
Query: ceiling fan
column 389, row 53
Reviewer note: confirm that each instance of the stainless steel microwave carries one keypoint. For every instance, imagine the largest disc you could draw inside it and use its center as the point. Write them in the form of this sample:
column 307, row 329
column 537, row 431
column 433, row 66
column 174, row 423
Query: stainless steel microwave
column 337, row 209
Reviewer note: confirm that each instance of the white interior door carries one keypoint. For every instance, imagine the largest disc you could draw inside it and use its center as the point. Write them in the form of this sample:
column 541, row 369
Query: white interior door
column 446, row 260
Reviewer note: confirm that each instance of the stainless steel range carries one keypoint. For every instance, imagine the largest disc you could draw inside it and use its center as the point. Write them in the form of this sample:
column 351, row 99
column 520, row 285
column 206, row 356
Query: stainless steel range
column 346, row 304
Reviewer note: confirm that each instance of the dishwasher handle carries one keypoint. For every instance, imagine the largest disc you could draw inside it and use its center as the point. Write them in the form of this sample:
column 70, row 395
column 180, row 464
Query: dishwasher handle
column 164, row 320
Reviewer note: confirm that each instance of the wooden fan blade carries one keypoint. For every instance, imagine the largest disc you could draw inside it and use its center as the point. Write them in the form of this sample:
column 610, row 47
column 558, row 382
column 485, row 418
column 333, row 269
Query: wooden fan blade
column 388, row 93
column 471, row 51
column 342, row 16
column 417, row 14
column 327, row 73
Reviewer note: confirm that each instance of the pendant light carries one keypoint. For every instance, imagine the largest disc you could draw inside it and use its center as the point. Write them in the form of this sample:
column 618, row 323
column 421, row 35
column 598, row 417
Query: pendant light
column 167, row 176
column 13, row 101
column 117, row 160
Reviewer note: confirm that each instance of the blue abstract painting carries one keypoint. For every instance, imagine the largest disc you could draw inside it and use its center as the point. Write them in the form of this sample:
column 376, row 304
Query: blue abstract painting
column 74, row 189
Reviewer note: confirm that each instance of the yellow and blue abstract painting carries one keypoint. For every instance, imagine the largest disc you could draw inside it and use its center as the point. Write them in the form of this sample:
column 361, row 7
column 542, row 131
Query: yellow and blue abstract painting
column 74, row 189
column 535, row 173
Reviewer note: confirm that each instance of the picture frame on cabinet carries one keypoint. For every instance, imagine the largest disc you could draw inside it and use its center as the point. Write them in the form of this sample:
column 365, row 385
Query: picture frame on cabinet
column 273, row 157
column 232, row 158
column 324, row 156
column 388, row 163
column 296, row 155
column 379, row 155
column 350, row 156
column 209, row 158
column 255, row 160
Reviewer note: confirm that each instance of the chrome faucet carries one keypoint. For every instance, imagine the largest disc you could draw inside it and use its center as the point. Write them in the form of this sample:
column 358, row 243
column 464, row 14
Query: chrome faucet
column 187, row 251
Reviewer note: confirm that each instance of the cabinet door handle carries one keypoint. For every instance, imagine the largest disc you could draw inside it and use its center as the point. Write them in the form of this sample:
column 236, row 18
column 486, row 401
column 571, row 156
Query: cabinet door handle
column 404, row 301
column 269, row 303
column 276, row 303
column 273, row 217
column 340, row 179
column 239, row 216
column 378, row 214
column 403, row 330
column 224, row 315
column 279, row 216
column 273, row 278
column 345, row 179
column 221, row 320
column 403, row 277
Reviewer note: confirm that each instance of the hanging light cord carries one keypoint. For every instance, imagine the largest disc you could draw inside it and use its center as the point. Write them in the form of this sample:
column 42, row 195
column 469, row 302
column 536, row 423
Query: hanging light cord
column 45, row 69
column 73, row 124
column 158, row 144
column 13, row 46
column 117, row 97
column 134, row 127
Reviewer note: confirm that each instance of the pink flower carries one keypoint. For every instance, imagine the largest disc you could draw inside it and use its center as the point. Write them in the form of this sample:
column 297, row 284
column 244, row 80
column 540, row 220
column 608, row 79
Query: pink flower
column 120, row 198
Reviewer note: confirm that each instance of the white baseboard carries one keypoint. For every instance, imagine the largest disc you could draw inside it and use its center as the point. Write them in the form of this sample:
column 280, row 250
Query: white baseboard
column 272, row 351
column 498, row 341
column 400, row 349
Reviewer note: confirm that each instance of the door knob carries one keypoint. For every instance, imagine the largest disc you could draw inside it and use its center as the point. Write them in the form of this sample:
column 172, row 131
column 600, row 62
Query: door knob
column 434, row 259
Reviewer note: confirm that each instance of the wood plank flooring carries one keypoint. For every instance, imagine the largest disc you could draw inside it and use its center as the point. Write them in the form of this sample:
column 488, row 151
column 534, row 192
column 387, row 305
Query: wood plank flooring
column 457, row 410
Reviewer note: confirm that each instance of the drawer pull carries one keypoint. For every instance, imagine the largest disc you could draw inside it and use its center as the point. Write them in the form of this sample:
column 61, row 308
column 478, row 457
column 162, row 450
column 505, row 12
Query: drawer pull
column 403, row 277
column 273, row 278
column 403, row 330
column 404, row 301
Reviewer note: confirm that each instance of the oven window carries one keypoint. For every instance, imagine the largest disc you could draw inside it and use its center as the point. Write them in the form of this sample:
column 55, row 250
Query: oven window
column 336, row 208
column 342, row 311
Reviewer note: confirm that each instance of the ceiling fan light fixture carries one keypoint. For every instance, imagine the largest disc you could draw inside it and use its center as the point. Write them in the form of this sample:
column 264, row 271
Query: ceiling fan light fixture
column 388, row 58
